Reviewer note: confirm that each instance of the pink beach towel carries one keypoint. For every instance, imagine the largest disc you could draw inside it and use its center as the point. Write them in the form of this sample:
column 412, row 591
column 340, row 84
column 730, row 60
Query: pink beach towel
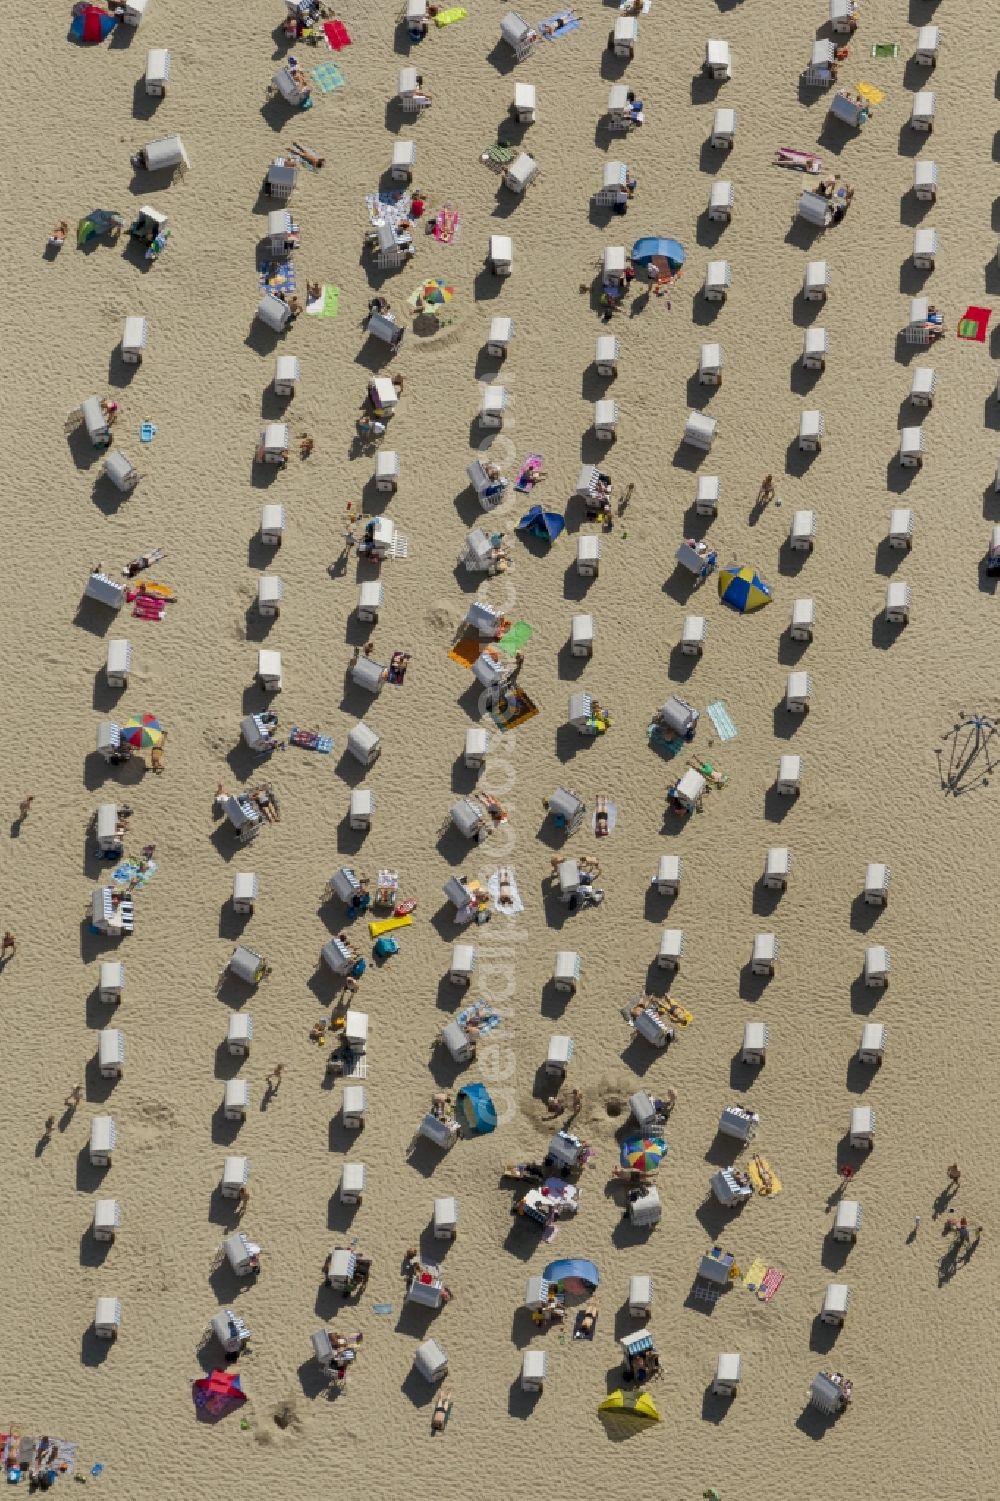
column 149, row 609
column 446, row 222
column 336, row 34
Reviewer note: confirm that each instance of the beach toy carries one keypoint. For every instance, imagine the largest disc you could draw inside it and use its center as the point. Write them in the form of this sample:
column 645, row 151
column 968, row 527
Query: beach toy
column 389, row 925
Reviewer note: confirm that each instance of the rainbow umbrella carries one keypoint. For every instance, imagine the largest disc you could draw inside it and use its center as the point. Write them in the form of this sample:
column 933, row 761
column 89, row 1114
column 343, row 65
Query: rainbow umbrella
column 742, row 589
column 435, row 293
column 645, row 1153
column 143, row 731
column 92, row 24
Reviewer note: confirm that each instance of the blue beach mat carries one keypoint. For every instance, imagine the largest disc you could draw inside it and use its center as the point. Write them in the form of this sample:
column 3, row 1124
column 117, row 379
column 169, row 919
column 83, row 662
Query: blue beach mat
column 720, row 717
column 327, row 77
column 572, row 24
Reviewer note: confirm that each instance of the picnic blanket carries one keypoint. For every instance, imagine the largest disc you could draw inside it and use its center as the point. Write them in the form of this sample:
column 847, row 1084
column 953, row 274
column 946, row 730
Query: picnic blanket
column 769, row 1286
column 511, row 908
column 450, row 16
column 446, row 222
column 498, row 156
column 131, row 870
column 327, row 77
column 526, row 475
column 326, row 304
column 277, row 276
column 518, row 636
column 551, row 30
column 480, row 1015
column 720, row 717
column 465, row 650
column 389, row 206
column 514, row 709
column 885, row 49
column 336, row 35
column 147, row 608
column 754, row 1274
column 973, row 324
column 309, row 740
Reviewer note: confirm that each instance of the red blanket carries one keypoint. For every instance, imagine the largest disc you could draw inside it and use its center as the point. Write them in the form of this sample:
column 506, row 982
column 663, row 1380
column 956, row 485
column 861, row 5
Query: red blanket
column 973, row 324
column 336, row 34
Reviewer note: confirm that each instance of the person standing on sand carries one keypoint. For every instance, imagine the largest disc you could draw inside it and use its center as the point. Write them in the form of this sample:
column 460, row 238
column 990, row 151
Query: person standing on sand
column 25, row 808
column 74, row 1097
column 954, row 1174
column 9, row 945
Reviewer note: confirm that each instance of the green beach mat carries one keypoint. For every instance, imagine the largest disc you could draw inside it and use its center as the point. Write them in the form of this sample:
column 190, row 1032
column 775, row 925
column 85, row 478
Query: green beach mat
column 517, row 637
column 885, row 49
column 327, row 77
column 327, row 305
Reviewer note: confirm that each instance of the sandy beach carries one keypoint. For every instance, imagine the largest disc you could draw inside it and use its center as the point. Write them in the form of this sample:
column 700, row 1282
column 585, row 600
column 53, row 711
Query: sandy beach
column 878, row 750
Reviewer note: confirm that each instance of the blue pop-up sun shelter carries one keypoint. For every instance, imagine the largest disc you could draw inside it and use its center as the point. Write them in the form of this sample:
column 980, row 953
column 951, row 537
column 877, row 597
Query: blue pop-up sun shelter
column 545, row 525
column 665, row 256
column 475, row 1109
column 573, row 1275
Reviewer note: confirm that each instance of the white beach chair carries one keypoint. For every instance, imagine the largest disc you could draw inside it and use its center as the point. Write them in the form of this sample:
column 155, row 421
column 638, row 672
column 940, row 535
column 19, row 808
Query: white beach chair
column 120, row 471
column 694, row 633
column 710, row 361
column 842, row 20
column 738, row 1123
column 499, row 337
column 606, row 356
column 802, row 531
column 923, row 386
column 525, row 105
column 581, row 640
column 109, row 834
column 245, row 889
column 273, row 313
column 274, row 443
column 667, row 880
column 272, row 525
column 811, row 431
column 287, row 372
column 764, row 955
column 728, row 1375
column 871, row 1048
column 835, row 1301
column 353, row 1104
column 430, row 1361
column 815, row 347
column 619, row 115
column 107, row 1219
column 371, row 597
column 876, row 888
column 462, row 964
column 700, row 430
column 270, row 592
column 135, row 337
column 103, row 1140
column 847, row 1221
column 107, row 1318
column 912, row 447
column 803, row 621
column 819, row 73
column 500, row 260
column 798, row 692
column 755, row 1039
column 718, row 280
column 646, row 1211
column 118, row 664
column 925, row 249
column 706, row 495
column 777, row 866
column 670, row 950
column 519, row 174
column 353, row 1180
column 568, row 963
column 928, row 46
column 721, row 198
column 476, row 744
column 718, row 61
column 111, row 982
column 624, row 37
column 813, row 207
column 925, row 180
column 403, row 161
column 111, row 1053
column 445, row 1219
column 613, row 192
column 492, row 406
column 239, row 1034
column 279, row 183
column 268, row 674
column 640, row 1296
column 923, row 110
column 558, row 1056
column 360, row 809
column 363, row 744
column 861, row 1131
column 235, row 1176
column 613, row 264
column 898, row 596
column 606, row 417
column 588, row 555
column 723, row 136
column 166, row 154
column 236, row 1100
column 534, row 1369
column 876, row 967
column 816, row 281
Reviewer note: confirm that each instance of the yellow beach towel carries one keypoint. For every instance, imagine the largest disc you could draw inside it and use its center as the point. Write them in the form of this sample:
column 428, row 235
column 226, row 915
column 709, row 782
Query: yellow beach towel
column 871, row 93
column 756, row 1177
column 446, row 17
column 754, row 1274
column 388, row 925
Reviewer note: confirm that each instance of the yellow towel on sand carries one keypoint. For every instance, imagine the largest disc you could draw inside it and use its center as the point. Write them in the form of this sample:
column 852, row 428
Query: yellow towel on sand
column 754, row 1174
column 445, row 17
column 754, row 1274
column 388, row 925
column 871, row 93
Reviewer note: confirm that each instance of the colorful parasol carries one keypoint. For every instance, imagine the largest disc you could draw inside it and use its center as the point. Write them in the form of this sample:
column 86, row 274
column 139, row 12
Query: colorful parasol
column 91, row 24
column 433, row 293
column 644, row 1153
column 143, row 731
column 742, row 589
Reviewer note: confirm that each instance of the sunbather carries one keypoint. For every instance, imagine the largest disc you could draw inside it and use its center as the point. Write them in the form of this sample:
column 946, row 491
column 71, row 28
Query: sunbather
column 505, row 892
column 58, row 236
column 601, row 816
column 441, row 1413
column 586, row 1322
column 146, row 560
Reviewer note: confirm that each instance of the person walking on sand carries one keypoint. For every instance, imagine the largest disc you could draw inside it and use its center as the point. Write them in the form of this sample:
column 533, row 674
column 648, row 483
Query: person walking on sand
column 954, row 1175
column 50, row 1126
column 25, row 808
column 555, row 1105
column 9, row 945
column 74, row 1097
column 576, row 1103
column 766, row 492
column 274, row 1077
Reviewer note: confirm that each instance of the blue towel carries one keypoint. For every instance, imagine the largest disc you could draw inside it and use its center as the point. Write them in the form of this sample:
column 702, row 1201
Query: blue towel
column 572, row 24
column 720, row 717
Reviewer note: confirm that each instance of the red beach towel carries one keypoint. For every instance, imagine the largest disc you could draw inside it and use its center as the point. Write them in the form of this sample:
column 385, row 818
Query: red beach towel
column 973, row 324
column 336, row 34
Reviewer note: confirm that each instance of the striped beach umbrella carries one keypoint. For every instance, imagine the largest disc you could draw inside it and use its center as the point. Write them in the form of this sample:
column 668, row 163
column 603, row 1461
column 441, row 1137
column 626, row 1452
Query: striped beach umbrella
column 644, row 1153
column 143, row 731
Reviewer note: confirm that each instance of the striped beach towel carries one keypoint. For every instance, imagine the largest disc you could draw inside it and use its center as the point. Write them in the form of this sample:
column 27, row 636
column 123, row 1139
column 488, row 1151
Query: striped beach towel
column 722, row 720
column 769, row 1286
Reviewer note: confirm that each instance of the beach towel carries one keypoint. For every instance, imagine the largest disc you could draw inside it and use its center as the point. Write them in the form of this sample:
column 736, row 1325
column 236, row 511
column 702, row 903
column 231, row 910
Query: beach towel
column 516, row 638
column 398, row 664
column 769, row 1286
column 480, row 1015
column 871, row 93
column 336, row 35
column 446, row 222
column 756, row 1178
column 526, row 475
column 514, row 709
column 146, row 608
column 612, row 811
column 147, row 432
column 326, row 304
column 277, row 276
column 669, row 745
column 309, row 740
column 552, row 31
column 720, row 717
column 450, row 16
column 465, row 650
column 515, row 905
column 327, row 77
column 973, row 324
column 885, row 49
column 382, row 1308
column 754, row 1274
column 129, row 870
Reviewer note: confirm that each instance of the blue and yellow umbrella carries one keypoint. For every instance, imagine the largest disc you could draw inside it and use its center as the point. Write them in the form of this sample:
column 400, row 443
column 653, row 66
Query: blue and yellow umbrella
column 742, row 589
